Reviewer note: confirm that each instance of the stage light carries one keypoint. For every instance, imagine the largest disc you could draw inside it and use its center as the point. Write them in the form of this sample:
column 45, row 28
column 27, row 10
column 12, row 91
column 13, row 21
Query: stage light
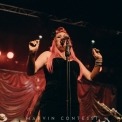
column 93, row 41
column 10, row 55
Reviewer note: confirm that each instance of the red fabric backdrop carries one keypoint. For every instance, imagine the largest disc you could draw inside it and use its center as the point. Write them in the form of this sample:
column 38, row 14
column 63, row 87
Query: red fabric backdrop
column 19, row 94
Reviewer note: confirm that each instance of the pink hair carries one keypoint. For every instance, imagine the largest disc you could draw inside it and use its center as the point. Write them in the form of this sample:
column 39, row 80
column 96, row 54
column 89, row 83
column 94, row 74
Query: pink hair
column 56, row 53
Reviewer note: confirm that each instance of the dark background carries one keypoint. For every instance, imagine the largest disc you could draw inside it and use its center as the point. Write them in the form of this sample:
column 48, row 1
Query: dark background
column 102, row 20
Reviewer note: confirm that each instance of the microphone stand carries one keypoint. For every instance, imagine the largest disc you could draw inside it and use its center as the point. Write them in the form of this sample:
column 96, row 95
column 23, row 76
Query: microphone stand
column 67, row 54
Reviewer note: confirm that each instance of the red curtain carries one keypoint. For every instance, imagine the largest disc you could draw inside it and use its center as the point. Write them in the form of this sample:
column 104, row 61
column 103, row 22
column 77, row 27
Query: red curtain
column 19, row 94
column 90, row 94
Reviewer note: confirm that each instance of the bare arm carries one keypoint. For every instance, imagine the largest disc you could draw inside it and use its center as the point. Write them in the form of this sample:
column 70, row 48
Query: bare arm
column 33, row 47
column 98, row 63
column 32, row 65
column 97, row 68
column 42, row 60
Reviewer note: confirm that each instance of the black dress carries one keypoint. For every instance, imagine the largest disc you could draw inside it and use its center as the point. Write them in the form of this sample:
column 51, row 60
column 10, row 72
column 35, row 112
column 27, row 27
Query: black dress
column 54, row 105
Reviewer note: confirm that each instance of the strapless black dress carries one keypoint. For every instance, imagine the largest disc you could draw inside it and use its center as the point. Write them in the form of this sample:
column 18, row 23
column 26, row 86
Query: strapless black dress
column 55, row 106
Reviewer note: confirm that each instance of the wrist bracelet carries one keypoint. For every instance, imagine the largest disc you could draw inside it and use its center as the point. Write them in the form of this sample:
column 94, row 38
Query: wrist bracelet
column 98, row 62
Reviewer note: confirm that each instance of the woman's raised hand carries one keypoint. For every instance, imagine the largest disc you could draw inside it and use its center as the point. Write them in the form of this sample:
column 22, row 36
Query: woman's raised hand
column 96, row 53
column 34, row 45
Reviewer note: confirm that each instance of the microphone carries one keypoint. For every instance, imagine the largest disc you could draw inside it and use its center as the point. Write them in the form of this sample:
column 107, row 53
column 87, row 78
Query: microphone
column 67, row 50
column 63, row 40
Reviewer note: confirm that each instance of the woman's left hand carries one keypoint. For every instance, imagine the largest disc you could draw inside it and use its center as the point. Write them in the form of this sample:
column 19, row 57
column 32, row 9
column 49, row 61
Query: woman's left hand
column 96, row 53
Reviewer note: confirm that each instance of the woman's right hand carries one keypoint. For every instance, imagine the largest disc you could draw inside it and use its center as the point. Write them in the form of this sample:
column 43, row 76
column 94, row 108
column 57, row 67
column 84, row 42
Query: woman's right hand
column 34, row 45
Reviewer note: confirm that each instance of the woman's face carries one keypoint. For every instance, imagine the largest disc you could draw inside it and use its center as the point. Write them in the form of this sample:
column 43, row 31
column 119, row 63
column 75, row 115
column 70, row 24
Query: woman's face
column 60, row 41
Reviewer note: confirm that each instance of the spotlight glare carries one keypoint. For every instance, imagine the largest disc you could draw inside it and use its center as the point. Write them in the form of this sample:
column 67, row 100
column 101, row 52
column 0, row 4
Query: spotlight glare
column 93, row 41
column 10, row 55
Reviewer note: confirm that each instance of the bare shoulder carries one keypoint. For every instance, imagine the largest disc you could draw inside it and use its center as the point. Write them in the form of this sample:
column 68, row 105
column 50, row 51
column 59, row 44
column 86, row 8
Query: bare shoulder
column 45, row 54
column 42, row 59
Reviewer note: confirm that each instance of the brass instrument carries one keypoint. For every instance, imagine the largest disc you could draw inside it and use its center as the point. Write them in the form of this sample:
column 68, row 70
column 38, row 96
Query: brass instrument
column 113, row 112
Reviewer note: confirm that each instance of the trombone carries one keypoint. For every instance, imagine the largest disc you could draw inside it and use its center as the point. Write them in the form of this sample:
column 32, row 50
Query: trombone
column 113, row 112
